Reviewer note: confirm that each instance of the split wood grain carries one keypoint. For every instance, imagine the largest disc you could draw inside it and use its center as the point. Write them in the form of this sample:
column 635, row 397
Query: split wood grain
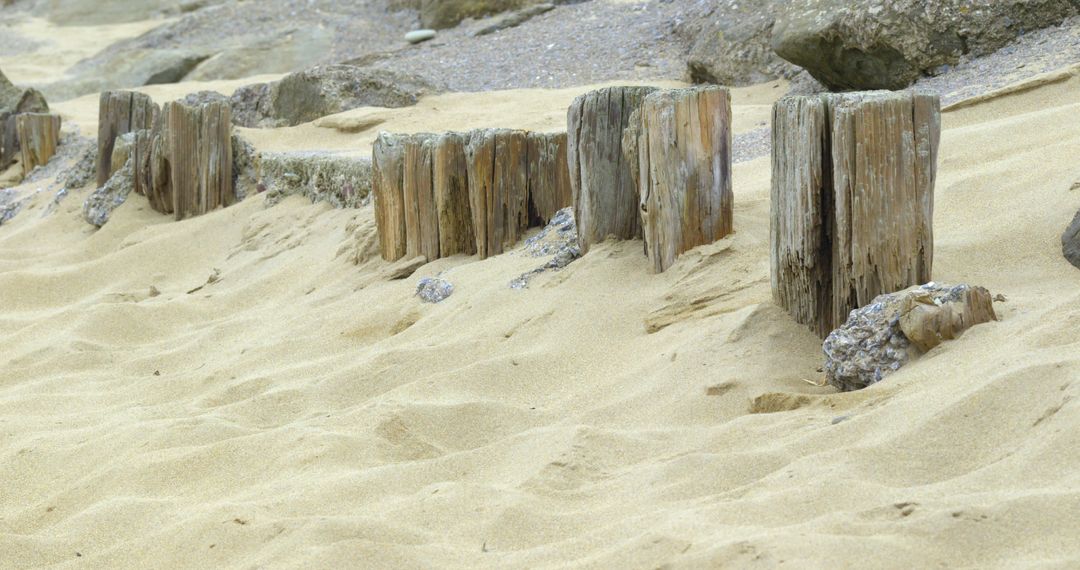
column 852, row 200
column 605, row 196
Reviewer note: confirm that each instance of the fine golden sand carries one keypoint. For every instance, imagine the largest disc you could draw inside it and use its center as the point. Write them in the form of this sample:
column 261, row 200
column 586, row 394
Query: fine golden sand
column 299, row 410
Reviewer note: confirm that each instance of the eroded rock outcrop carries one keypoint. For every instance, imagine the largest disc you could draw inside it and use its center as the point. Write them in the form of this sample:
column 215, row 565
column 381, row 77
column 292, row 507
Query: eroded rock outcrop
column 320, row 91
column 880, row 338
column 731, row 44
column 888, row 44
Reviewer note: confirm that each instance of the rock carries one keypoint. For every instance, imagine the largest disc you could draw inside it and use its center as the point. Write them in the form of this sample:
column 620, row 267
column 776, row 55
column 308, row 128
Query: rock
column 341, row 181
column 1070, row 242
column 286, row 51
column 246, row 164
column 234, row 40
column 324, row 90
column 888, row 44
column 200, row 97
column 558, row 239
column 434, row 290
column 127, row 69
column 895, row 328
column 417, row 36
column 730, row 44
column 404, row 268
column 84, row 171
column 514, row 18
column 440, row 14
column 99, row 206
column 95, row 12
column 9, row 205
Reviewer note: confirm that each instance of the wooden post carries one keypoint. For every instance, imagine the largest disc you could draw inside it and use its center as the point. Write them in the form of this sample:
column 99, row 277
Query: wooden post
column 684, row 170
column 801, row 204
column 30, row 101
column 451, row 186
column 549, row 176
column 120, row 112
column 200, row 157
column 605, row 197
column 852, row 200
column 387, row 189
column 498, row 188
column 421, row 220
column 39, row 135
column 154, row 168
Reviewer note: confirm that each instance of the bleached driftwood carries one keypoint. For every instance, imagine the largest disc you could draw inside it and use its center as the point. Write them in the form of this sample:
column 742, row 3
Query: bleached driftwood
column 39, row 135
column 682, row 152
column 605, row 196
column 852, row 200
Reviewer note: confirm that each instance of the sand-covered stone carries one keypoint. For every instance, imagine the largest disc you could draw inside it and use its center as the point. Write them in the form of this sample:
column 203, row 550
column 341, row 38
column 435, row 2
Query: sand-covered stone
column 881, row 337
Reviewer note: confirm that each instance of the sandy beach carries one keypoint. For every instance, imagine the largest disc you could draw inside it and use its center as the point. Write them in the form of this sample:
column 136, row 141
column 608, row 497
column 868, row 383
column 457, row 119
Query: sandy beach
column 246, row 389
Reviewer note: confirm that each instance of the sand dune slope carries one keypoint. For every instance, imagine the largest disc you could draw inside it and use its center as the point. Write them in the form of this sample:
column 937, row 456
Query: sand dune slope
column 245, row 390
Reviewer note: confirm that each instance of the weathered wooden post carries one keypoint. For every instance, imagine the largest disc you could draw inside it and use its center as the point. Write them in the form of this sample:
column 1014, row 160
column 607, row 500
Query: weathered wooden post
column 120, row 112
column 549, row 176
column 498, row 188
column 852, row 200
column 39, row 135
column 605, row 197
column 451, row 186
column 683, row 158
column 200, row 157
column 12, row 104
column 387, row 189
column 421, row 219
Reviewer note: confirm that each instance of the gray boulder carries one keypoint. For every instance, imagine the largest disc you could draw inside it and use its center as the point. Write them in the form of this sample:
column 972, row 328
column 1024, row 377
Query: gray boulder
column 1070, row 242
column 888, row 44
column 883, row 336
column 127, row 69
column 731, row 44
column 324, row 90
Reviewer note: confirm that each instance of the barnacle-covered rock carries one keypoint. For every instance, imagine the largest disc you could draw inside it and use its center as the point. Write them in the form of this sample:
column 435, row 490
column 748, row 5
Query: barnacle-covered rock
column 883, row 336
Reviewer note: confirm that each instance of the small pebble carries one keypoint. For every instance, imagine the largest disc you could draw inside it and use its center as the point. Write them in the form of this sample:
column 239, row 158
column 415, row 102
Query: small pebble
column 417, row 36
